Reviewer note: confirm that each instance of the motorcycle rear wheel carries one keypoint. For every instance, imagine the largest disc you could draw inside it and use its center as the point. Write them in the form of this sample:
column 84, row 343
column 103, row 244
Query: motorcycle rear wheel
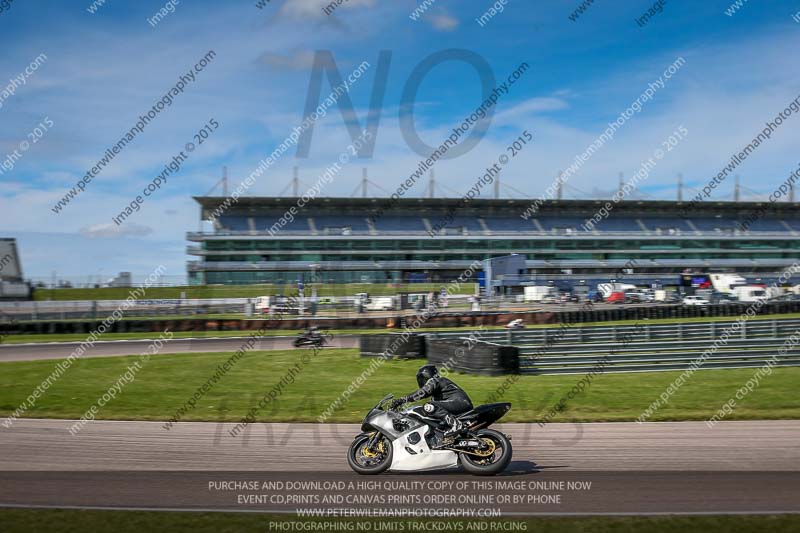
column 492, row 464
column 362, row 464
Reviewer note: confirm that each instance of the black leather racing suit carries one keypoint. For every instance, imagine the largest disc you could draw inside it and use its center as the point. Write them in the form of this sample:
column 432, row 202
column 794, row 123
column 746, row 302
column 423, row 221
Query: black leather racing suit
column 448, row 398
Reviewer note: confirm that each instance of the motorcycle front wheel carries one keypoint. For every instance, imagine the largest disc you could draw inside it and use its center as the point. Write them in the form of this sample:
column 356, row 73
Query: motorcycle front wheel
column 369, row 462
column 496, row 457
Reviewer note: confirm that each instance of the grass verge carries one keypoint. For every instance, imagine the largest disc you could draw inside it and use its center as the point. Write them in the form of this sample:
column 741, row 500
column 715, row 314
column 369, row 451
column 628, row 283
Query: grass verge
column 167, row 381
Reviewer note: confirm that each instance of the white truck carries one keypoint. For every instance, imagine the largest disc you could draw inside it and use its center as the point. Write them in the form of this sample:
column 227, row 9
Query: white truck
column 279, row 305
column 380, row 303
column 750, row 293
column 605, row 289
column 374, row 303
column 727, row 283
column 536, row 293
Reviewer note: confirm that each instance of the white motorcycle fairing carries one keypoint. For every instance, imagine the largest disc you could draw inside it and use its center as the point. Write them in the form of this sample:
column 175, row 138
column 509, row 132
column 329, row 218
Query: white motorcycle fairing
column 408, row 457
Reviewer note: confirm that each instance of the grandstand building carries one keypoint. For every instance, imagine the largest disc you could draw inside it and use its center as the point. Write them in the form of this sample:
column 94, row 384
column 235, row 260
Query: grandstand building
column 12, row 284
column 346, row 240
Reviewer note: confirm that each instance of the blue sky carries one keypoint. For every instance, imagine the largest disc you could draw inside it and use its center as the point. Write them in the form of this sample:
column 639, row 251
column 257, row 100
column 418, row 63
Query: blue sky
column 104, row 69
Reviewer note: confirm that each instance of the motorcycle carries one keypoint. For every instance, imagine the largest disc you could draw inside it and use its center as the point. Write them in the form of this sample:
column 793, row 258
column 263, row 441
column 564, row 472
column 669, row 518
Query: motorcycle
column 318, row 340
column 410, row 441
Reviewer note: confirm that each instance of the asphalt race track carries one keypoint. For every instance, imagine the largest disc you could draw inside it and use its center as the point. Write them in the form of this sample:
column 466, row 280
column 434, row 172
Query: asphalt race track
column 61, row 350
column 668, row 467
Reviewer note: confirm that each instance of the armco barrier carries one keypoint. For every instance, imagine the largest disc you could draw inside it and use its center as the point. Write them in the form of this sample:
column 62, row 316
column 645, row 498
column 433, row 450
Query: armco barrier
column 635, row 333
column 485, row 358
column 645, row 347
column 413, row 347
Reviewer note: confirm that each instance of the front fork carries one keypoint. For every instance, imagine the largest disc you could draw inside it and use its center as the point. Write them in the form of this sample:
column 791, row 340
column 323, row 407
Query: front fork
column 374, row 445
column 373, row 440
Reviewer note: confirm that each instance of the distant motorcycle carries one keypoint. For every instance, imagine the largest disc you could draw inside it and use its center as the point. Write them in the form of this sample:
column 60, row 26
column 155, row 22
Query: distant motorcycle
column 410, row 441
column 316, row 339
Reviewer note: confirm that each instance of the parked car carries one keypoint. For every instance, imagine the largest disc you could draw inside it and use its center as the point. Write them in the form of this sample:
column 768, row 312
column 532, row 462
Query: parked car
column 723, row 299
column 695, row 300
column 616, row 298
column 550, row 299
column 635, row 297
column 672, row 298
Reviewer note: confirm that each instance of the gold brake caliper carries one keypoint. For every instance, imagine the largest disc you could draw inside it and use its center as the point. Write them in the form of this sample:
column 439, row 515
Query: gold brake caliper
column 369, row 453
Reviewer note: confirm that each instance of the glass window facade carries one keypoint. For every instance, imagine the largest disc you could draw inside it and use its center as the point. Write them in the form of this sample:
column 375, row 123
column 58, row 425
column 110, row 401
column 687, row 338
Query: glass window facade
column 253, row 257
column 384, row 251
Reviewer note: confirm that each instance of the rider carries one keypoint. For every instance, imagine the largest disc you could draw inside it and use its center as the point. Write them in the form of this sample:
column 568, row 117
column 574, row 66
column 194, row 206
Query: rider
column 448, row 399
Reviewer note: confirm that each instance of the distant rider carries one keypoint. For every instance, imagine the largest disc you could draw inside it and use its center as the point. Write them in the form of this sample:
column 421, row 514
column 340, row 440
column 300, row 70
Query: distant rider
column 448, row 399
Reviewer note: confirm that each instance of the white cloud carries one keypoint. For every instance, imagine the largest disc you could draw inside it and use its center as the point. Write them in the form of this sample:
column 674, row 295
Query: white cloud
column 298, row 60
column 526, row 108
column 304, row 9
column 109, row 230
column 443, row 22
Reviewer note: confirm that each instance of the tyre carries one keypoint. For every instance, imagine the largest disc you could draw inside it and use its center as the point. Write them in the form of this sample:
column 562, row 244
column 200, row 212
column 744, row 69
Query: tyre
column 493, row 463
column 297, row 343
column 366, row 462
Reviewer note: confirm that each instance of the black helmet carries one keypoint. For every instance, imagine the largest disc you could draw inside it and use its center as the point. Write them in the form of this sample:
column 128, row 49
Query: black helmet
column 425, row 373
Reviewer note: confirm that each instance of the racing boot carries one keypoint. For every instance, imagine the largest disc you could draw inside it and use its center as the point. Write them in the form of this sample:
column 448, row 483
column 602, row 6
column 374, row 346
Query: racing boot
column 455, row 429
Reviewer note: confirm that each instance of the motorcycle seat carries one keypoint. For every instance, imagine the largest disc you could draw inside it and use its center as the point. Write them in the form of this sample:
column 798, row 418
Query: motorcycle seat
column 481, row 409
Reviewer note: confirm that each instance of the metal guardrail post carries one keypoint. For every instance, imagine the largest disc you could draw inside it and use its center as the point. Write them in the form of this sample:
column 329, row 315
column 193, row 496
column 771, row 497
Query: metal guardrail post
column 510, row 337
column 774, row 327
column 680, row 331
column 647, row 332
column 744, row 329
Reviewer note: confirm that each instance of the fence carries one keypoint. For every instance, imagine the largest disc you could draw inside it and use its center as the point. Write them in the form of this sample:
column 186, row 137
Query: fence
column 647, row 348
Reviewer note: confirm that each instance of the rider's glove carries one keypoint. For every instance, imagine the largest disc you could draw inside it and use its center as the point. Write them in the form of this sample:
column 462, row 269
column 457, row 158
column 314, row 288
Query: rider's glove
column 397, row 402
